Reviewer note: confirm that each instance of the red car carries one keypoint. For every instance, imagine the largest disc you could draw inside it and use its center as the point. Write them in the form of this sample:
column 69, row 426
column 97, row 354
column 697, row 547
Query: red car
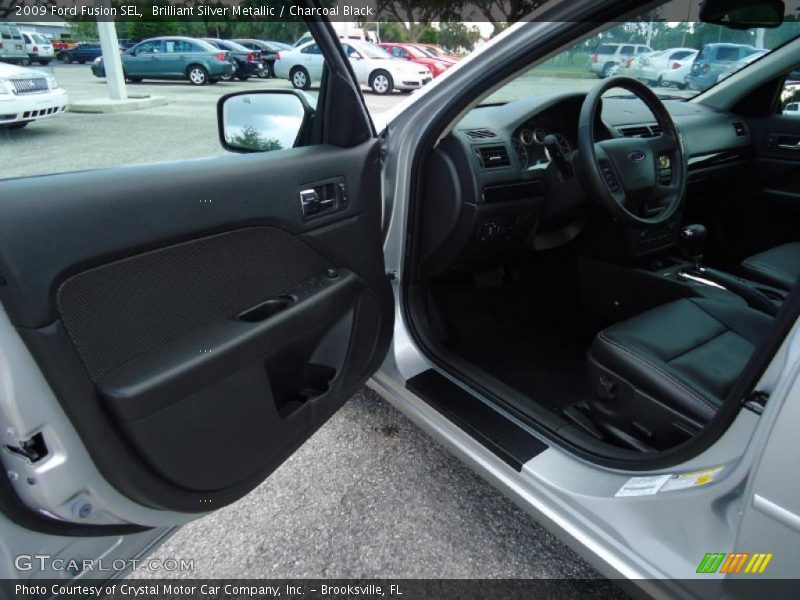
column 439, row 52
column 428, row 52
column 414, row 54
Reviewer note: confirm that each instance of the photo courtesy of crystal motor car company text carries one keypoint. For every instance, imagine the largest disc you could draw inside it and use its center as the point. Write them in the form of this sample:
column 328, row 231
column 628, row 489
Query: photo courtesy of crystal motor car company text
column 420, row 299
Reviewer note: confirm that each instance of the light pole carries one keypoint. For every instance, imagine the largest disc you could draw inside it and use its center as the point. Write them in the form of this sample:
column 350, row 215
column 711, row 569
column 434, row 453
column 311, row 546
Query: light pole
column 112, row 63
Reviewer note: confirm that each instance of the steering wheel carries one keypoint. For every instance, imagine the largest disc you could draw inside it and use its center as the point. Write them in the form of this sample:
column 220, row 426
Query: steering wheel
column 640, row 181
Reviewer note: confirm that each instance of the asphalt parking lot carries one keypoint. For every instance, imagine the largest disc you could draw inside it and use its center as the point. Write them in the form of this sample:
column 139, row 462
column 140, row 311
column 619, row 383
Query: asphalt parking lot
column 186, row 127
column 370, row 495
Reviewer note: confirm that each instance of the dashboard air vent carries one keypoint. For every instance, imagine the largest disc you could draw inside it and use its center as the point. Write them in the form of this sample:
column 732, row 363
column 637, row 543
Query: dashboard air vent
column 492, row 157
column 638, row 131
column 641, row 131
column 739, row 128
column 480, row 134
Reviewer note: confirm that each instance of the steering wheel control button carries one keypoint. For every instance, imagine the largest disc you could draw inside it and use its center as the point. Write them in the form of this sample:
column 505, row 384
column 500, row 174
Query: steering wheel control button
column 608, row 175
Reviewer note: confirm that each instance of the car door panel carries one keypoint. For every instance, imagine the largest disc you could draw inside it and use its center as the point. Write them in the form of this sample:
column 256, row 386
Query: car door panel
column 776, row 179
column 194, row 326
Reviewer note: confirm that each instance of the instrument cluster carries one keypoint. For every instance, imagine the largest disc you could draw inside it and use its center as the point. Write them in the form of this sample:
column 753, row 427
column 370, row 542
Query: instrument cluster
column 530, row 142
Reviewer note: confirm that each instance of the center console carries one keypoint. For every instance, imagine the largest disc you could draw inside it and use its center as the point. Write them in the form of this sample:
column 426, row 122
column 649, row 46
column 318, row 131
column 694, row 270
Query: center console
column 618, row 291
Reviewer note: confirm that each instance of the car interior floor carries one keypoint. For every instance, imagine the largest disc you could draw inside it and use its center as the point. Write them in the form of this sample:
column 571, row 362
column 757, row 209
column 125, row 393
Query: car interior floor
column 524, row 325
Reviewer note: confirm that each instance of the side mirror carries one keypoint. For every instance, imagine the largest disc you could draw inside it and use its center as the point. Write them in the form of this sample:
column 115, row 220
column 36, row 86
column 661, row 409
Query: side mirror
column 355, row 56
column 263, row 120
column 743, row 14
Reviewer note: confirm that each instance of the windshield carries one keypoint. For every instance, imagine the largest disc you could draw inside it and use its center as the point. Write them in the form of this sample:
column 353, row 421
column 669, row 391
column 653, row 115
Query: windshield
column 428, row 51
column 371, row 51
column 415, row 52
column 677, row 59
column 230, row 45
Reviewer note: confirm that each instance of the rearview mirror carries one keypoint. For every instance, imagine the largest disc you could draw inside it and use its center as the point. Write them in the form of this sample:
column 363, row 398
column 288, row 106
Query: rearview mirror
column 262, row 121
column 743, row 14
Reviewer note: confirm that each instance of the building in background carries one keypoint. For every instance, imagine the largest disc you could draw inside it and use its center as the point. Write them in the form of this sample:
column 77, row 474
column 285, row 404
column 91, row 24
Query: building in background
column 56, row 30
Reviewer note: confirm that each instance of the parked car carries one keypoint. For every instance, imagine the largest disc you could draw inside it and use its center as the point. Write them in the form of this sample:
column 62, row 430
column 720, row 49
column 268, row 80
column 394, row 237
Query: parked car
column 12, row 46
column 438, row 52
column 432, row 54
column 652, row 66
column 125, row 43
column 248, row 63
column 606, row 56
column 712, row 60
column 59, row 45
column 632, row 66
column 173, row 58
column 740, row 64
column 373, row 66
column 266, row 51
column 676, row 70
column 410, row 53
column 27, row 95
column 81, row 54
column 793, row 109
column 38, row 48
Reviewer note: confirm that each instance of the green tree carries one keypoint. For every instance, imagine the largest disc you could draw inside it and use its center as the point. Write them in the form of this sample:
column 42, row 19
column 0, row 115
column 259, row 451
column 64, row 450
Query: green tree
column 500, row 13
column 84, row 30
column 141, row 30
column 251, row 139
column 429, row 35
column 455, row 35
column 416, row 15
column 390, row 31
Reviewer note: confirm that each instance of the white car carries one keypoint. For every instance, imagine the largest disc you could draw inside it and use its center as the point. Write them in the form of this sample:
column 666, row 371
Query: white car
column 373, row 66
column 632, row 65
column 676, row 72
column 793, row 109
column 27, row 95
column 38, row 47
column 658, row 68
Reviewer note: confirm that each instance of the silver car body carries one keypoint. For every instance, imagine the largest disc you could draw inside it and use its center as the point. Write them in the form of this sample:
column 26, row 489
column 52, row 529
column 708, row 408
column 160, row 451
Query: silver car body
column 654, row 66
column 306, row 56
column 608, row 55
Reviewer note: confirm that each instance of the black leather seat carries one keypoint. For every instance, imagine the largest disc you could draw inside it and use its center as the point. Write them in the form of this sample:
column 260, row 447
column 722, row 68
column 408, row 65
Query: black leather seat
column 778, row 267
column 661, row 375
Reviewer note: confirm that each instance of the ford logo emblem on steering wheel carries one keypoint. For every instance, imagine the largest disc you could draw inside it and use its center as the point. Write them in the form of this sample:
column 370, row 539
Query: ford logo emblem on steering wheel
column 637, row 156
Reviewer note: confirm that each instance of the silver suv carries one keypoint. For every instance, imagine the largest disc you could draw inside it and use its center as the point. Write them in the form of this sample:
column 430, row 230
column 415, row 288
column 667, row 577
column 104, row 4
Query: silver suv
column 607, row 56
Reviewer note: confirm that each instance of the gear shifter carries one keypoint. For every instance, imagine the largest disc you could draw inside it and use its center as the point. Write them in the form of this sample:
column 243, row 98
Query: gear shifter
column 692, row 243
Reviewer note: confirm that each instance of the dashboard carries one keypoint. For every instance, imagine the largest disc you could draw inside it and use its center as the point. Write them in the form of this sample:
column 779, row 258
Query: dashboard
column 529, row 139
column 496, row 188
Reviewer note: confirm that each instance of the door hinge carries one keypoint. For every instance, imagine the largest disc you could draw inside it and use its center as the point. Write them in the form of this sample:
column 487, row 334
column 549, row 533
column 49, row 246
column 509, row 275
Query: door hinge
column 756, row 401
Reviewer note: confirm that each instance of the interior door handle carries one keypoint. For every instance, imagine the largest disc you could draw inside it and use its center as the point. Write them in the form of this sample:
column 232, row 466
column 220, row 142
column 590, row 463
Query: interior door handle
column 323, row 196
column 793, row 147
